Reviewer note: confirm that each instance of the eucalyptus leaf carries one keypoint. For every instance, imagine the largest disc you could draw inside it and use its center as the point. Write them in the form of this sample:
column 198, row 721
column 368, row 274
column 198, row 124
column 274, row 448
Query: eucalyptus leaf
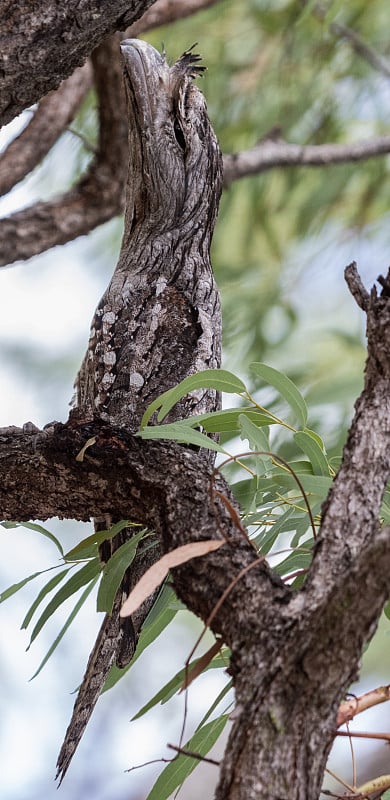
column 86, row 574
column 309, row 444
column 285, row 387
column 258, row 440
column 183, row 434
column 34, row 526
column 15, row 587
column 88, row 547
column 181, row 767
column 52, row 583
column 174, row 684
column 149, row 633
column 114, row 571
column 65, row 627
column 219, row 379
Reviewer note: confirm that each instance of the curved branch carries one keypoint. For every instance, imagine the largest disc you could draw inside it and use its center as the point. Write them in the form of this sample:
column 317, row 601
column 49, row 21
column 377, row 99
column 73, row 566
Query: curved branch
column 43, row 42
column 271, row 153
column 165, row 11
column 100, row 194
column 49, row 121
column 119, row 471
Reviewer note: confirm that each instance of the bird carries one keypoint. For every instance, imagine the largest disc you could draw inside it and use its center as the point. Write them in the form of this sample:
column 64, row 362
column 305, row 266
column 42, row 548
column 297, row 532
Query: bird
column 159, row 320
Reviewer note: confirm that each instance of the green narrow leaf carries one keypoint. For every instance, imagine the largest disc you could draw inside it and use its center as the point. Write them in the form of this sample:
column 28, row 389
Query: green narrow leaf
column 257, row 439
column 181, row 767
column 68, row 622
column 33, row 526
column 285, row 387
column 219, row 379
column 216, row 703
column 42, row 594
column 387, row 610
column 245, row 494
column 166, row 599
column 313, row 484
column 84, row 575
column 87, row 548
column 309, row 445
column 16, row 586
column 114, row 571
column 226, row 421
column 150, row 631
column 295, row 560
column 169, row 689
column 180, row 433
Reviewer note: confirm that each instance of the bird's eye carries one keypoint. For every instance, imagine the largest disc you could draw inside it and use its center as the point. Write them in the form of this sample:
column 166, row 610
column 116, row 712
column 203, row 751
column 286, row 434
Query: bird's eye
column 179, row 135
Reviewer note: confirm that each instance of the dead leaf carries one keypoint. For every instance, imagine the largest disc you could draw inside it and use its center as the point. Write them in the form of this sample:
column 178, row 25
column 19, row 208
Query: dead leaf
column 201, row 664
column 155, row 575
column 89, row 443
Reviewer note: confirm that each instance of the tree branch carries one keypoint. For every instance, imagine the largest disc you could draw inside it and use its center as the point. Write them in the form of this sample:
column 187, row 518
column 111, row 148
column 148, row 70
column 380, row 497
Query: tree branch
column 49, row 121
column 271, row 153
column 360, row 47
column 120, row 473
column 165, row 11
column 293, row 699
column 100, row 194
column 43, row 42
column 287, row 703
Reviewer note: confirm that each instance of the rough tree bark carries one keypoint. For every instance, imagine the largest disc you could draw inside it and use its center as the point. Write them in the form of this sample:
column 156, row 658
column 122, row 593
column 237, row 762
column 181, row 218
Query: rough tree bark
column 293, row 653
column 159, row 320
column 43, row 42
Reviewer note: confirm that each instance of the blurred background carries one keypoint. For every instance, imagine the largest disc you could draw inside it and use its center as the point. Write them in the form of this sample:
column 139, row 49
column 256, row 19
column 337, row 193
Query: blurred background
column 280, row 247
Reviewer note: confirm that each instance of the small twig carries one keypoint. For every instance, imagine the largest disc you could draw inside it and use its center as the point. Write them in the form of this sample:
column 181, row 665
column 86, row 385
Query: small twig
column 281, row 461
column 183, row 752
column 362, row 48
column 356, row 286
column 148, row 763
column 364, row 735
column 350, row 708
column 166, row 11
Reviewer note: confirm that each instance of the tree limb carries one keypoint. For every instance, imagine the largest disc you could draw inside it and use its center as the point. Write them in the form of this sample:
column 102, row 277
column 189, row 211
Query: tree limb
column 287, row 702
column 49, row 121
column 165, row 11
column 293, row 697
column 43, row 42
column 361, row 47
column 100, row 194
column 271, row 153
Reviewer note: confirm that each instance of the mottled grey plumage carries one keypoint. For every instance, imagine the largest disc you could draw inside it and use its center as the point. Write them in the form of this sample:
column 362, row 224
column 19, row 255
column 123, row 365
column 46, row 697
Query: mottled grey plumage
column 159, row 319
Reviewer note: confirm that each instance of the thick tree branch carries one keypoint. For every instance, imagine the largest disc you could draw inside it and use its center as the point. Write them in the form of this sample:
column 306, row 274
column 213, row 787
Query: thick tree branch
column 293, row 698
column 100, row 194
column 271, row 153
column 165, row 11
column 287, row 703
column 121, row 474
column 49, row 121
column 43, row 42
